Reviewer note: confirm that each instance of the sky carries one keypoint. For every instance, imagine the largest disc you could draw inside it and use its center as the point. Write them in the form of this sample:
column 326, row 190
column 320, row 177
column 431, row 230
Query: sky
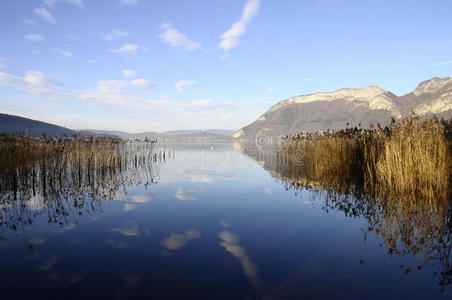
column 157, row 65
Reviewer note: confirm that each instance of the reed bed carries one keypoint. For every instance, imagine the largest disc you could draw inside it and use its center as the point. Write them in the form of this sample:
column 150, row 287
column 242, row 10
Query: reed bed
column 398, row 178
column 409, row 159
column 68, row 175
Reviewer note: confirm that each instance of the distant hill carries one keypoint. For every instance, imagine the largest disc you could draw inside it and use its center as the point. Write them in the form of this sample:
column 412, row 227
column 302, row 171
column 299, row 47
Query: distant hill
column 17, row 125
column 167, row 134
column 11, row 124
column 363, row 106
column 124, row 135
column 198, row 132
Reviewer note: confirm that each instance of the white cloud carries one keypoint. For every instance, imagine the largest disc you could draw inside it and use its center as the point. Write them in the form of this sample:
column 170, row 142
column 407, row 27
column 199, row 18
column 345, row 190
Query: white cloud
column 64, row 52
column 33, row 82
column 269, row 90
column 29, row 22
column 225, row 56
column 111, row 86
column 180, row 85
column 142, row 83
column 115, row 86
column 442, row 63
column 176, row 38
column 201, row 102
column 33, row 37
column 230, row 38
column 45, row 15
column 129, row 2
column 115, row 33
column 309, row 79
column 126, row 49
column 112, row 99
column 129, row 73
column 52, row 3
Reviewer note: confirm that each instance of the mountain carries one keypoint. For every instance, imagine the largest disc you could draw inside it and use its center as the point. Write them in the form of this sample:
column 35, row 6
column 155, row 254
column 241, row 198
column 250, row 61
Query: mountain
column 365, row 106
column 11, row 124
column 17, row 125
column 167, row 134
column 197, row 132
column 124, row 135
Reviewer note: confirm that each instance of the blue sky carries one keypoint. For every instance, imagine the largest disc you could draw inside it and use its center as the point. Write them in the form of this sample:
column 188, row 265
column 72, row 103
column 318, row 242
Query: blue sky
column 139, row 65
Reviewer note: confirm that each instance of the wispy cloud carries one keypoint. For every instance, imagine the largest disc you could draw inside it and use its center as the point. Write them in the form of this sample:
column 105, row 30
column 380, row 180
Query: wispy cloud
column 201, row 103
column 230, row 38
column 442, row 63
column 129, row 2
column 45, row 15
column 64, row 52
column 33, row 37
column 115, row 34
column 33, row 82
column 225, row 56
column 142, row 83
column 180, row 85
column 52, row 3
column 115, row 86
column 132, row 111
column 129, row 73
column 309, row 79
column 29, row 21
column 126, row 49
column 269, row 90
column 176, row 38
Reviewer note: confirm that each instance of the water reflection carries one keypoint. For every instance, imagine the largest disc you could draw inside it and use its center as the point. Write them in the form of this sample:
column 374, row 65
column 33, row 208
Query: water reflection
column 231, row 242
column 66, row 185
column 176, row 241
column 406, row 225
column 218, row 226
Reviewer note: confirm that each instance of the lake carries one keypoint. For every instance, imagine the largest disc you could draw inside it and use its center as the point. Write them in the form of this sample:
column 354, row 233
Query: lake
column 218, row 222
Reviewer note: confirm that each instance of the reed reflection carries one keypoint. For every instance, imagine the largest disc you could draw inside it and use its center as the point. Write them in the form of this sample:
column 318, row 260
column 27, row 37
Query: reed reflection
column 67, row 178
column 407, row 224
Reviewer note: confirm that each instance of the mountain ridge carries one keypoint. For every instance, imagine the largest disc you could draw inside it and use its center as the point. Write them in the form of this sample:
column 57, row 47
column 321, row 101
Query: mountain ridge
column 12, row 124
column 352, row 106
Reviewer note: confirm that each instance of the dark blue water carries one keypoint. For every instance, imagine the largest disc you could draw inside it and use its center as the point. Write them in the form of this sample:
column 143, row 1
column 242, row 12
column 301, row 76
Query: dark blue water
column 215, row 225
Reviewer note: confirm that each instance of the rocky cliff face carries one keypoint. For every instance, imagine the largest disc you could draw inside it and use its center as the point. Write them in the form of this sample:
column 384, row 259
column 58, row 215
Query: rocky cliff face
column 364, row 106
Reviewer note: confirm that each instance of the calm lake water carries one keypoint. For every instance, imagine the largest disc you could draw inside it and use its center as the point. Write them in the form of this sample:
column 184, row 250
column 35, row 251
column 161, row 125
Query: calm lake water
column 215, row 223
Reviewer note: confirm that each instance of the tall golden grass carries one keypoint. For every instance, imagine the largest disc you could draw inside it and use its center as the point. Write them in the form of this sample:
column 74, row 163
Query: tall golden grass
column 68, row 176
column 398, row 178
column 409, row 159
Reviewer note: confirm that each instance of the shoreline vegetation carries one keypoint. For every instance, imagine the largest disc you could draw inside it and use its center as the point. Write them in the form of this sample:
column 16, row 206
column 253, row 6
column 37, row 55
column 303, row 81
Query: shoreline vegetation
column 397, row 178
column 62, row 177
column 409, row 159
